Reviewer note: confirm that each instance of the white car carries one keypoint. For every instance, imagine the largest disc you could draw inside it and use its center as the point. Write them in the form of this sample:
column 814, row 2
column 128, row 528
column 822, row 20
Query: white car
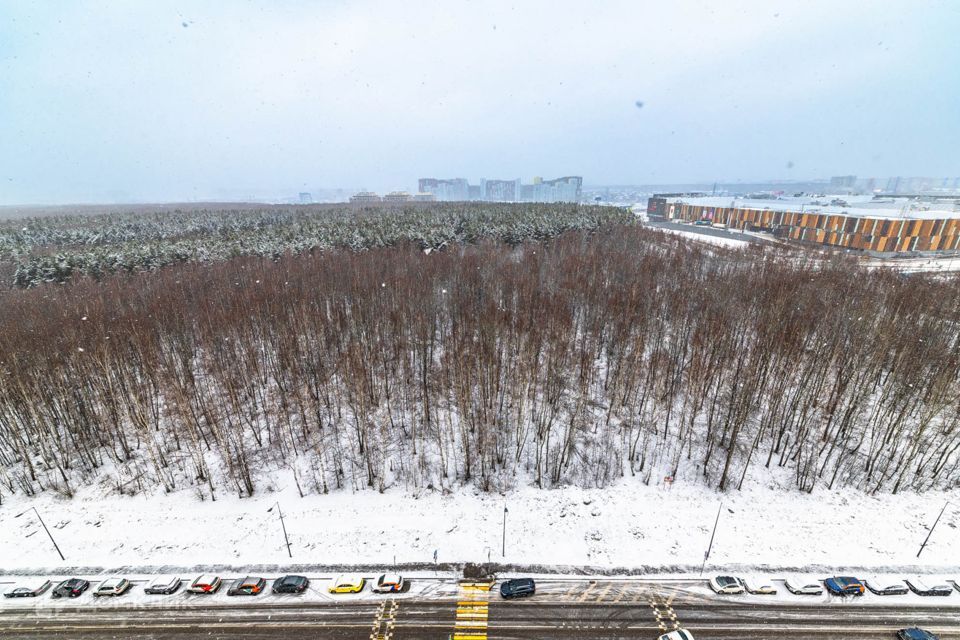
column 389, row 583
column 804, row 586
column 205, row 584
column 726, row 584
column 113, row 587
column 679, row 634
column 759, row 586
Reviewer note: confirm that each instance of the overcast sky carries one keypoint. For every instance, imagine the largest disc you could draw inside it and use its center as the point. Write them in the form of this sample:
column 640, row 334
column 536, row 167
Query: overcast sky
column 160, row 101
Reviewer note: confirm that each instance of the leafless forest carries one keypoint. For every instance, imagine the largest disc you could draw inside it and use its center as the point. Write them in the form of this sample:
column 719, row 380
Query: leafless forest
column 577, row 359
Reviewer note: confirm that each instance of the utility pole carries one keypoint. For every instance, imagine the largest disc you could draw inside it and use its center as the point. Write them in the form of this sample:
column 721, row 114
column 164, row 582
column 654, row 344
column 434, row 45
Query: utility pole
column 710, row 546
column 44, row 525
column 283, row 526
column 930, row 533
column 504, row 531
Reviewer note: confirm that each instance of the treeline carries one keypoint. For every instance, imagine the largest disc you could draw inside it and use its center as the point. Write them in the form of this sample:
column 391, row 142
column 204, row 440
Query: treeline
column 577, row 360
column 57, row 248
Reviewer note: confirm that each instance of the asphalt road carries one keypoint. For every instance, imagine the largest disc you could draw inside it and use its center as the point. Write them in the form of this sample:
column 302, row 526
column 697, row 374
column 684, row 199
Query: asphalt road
column 536, row 618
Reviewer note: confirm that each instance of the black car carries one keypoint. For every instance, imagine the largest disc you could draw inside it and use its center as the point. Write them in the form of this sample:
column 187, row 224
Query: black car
column 923, row 588
column 883, row 587
column 291, row 584
column 28, row 590
column 518, row 588
column 71, row 588
column 915, row 633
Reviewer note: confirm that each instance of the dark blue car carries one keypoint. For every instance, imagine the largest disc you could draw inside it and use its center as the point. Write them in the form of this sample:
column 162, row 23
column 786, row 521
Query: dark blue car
column 518, row 588
column 915, row 633
column 844, row 586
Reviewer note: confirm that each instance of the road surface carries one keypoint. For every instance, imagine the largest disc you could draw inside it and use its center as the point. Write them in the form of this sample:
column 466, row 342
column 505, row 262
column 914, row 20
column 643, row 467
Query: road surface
column 611, row 610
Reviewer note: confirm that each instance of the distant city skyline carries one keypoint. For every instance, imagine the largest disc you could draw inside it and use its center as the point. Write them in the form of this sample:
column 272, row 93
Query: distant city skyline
column 145, row 102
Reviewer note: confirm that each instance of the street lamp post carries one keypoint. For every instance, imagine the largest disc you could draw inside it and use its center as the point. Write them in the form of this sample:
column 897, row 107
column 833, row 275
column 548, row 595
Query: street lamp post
column 44, row 525
column 283, row 526
column 706, row 554
column 930, row 533
column 504, row 531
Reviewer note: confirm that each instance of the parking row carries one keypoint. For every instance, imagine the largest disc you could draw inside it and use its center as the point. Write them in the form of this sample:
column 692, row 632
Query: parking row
column 206, row 584
column 836, row 585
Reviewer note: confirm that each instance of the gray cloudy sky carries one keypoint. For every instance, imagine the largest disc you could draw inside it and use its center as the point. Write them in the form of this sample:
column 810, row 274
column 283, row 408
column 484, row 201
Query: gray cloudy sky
column 103, row 101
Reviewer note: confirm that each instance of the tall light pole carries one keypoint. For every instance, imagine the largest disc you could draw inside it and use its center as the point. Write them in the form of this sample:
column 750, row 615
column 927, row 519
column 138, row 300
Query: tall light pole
column 43, row 524
column 930, row 533
column 710, row 546
column 504, row 531
column 282, row 525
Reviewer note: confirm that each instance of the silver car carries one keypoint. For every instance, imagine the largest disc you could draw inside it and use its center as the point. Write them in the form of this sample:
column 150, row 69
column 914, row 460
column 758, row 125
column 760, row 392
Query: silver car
column 113, row 587
column 804, row 586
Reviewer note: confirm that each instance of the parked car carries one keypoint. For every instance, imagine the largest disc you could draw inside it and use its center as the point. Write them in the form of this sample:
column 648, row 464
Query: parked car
column 291, row 584
column 844, row 586
column 726, row 584
column 759, row 586
column 389, row 583
column 922, row 588
column 205, row 584
column 164, row 585
column 803, row 586
column 113, row 587
column 915, row 633
column 679, row 634
column 886, row 587
column 71, row 588
column 346, row 583
column 249, row 586
column 518, row 588
column 29, row 589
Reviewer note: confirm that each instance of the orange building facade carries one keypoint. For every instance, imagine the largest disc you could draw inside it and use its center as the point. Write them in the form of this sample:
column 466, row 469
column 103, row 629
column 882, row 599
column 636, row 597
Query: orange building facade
column 847, row 230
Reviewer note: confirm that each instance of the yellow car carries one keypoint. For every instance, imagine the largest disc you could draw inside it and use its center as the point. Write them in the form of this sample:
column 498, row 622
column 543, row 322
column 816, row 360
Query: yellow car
column 346, row 583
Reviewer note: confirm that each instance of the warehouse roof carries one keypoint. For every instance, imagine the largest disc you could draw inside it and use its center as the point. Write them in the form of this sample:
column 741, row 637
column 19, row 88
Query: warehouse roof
column 857, row 206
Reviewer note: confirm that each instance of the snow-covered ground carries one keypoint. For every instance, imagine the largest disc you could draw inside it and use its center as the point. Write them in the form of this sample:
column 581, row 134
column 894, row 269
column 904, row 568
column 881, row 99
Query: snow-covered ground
column 926, row 264
column 702, row 237
column 624, row 528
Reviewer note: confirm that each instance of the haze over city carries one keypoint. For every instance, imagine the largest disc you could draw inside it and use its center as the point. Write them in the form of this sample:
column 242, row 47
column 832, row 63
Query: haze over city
column 105, row 102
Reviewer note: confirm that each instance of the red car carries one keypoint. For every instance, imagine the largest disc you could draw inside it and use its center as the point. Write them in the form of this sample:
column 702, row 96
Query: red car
column 205, row 584
column 249, row 586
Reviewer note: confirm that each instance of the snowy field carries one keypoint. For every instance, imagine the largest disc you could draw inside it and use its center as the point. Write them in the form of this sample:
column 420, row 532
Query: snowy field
column 622, row 529
column 702, row 237
column 927, row 264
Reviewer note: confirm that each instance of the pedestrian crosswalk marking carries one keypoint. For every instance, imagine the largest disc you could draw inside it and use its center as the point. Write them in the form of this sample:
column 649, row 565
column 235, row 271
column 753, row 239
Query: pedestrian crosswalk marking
column 473, row 611
column 665, row 615
column 385, row 621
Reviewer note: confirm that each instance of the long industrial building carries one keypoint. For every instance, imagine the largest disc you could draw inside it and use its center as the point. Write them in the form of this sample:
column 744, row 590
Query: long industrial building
column 883, row 227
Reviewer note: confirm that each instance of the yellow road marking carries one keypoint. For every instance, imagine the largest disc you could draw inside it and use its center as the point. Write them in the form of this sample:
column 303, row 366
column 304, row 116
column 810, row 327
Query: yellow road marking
column 473, row 611
column 603, row 594
column 584, row 595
